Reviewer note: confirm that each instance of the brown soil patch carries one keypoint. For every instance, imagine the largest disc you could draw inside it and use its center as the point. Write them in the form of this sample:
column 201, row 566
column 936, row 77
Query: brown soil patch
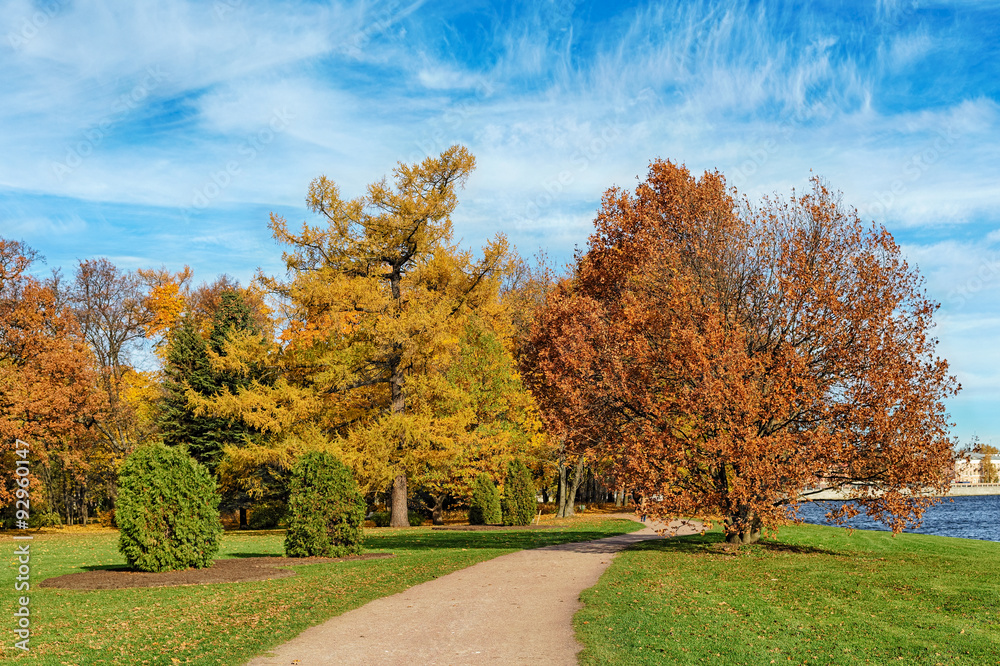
column 238, row 570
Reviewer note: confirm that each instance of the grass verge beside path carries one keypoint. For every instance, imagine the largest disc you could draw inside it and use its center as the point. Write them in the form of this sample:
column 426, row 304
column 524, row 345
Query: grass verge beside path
column 229, row 623
column 814, row 596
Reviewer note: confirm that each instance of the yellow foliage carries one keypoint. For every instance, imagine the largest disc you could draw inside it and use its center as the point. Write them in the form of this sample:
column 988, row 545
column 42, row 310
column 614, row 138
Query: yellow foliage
column 141, row 391
column 378, row 304
column 243, row 467
column 167, row 305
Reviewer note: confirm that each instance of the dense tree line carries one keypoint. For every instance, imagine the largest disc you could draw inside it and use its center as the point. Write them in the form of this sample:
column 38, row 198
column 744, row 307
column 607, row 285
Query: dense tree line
column 385, row 343
column 704, row 356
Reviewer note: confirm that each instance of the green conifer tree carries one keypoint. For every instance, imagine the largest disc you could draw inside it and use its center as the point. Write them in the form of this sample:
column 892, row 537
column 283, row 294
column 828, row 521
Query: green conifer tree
column 484, row 508
column 188, row 366
column 519, row 502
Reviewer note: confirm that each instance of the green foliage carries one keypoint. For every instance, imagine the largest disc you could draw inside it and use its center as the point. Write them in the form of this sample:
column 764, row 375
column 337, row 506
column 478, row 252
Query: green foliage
column 381, row 518
column 198, row 370
column 325, row 509
column 519, row 503
column 233, row 314
column 188, row 366
column 484, row 509
column 44, row 519
column 167, row 510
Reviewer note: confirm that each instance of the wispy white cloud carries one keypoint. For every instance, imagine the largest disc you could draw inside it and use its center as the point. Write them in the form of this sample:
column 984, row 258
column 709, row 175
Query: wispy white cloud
column 169, row 107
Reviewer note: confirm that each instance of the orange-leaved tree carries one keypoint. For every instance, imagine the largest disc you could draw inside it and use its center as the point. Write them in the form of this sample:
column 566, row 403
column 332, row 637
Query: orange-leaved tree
column 48, row 384
column 730, row 357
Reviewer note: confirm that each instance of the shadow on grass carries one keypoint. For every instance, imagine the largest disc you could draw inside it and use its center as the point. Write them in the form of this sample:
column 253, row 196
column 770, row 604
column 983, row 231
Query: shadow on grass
column 232, row 531
column 713, row 543
column 223, row 556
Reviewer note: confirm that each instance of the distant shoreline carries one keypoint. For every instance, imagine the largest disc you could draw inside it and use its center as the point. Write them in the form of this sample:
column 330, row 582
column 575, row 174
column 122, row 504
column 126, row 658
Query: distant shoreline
column 957, row 490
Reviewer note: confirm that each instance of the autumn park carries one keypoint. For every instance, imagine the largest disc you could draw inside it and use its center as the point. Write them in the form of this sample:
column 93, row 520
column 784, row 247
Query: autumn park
column 703, row 364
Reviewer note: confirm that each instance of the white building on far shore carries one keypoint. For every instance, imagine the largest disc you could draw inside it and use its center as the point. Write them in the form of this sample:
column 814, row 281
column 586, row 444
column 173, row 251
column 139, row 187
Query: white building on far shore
column 971, row 471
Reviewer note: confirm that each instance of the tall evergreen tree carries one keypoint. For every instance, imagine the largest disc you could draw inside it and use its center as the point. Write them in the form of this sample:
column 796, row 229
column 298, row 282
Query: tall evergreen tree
column 519, row 501
column 188, row 366
column 232, row 315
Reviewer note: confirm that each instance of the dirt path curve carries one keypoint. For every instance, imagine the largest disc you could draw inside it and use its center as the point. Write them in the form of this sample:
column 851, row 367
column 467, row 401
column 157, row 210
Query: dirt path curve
column 513, row 609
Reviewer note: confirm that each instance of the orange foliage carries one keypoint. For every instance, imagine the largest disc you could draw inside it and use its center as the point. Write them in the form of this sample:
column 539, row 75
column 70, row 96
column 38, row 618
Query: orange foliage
column 47, row 380
column 167, row 299
column 730, row 357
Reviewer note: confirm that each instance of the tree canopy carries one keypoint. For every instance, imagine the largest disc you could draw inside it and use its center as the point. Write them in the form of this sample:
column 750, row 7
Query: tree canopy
column 48, row 382
column 377, row 297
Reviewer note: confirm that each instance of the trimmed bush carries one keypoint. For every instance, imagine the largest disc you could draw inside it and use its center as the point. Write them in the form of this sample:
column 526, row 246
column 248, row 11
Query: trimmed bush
column 167, row 510
column 416, row 519
column 519, row 503
column 484, row 508
column 325, row 509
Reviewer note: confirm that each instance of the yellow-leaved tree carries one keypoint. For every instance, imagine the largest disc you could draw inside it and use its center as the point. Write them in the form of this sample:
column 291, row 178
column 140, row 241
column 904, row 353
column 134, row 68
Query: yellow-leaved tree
column 377, row 297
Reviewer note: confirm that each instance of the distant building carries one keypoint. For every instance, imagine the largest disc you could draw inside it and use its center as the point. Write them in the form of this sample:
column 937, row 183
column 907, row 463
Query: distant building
column 971, row 471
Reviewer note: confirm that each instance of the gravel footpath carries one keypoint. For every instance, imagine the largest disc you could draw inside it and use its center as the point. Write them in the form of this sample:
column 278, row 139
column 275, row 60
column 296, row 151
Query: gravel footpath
column 513, row 609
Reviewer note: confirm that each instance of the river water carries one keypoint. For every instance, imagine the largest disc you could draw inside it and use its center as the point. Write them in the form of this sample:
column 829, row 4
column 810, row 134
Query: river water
column 976, row 517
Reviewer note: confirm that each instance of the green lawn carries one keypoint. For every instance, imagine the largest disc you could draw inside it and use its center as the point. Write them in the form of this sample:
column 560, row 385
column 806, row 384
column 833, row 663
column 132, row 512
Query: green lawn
column 228, row 623
column 814, row 596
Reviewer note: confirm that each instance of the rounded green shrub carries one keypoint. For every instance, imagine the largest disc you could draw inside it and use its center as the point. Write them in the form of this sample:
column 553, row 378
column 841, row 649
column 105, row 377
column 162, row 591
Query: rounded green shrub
column 45, row 519
column 519, row 502
column 167, row 510
column 415, row 517
column 325, row 508
column 484, row 508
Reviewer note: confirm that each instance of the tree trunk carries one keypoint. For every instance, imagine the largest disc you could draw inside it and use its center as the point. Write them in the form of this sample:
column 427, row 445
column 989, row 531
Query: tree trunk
column 567, row 491
column 399, row 517
column 243, row 518
column 84, row 514
column 68, row 502
column 437, row 512
column 578, row 476
column 743, row 528
column 561, row 493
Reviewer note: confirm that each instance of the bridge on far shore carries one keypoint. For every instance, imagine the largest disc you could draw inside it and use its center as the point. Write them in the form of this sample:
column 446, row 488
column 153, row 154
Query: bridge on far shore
column 957, row 490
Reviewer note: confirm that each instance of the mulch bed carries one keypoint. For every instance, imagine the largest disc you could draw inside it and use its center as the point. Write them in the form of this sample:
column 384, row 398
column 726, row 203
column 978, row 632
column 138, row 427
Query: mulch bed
column 238, row 570
column 486, row 528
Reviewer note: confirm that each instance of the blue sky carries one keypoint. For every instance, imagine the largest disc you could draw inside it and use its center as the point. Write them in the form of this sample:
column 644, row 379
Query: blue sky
column 164, row 133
